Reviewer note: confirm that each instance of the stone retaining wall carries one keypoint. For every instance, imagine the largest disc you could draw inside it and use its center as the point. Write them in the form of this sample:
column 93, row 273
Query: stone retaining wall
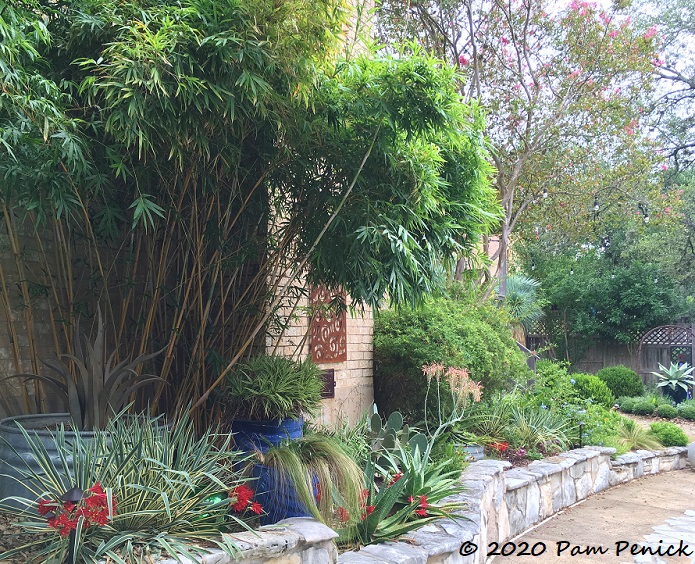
column 501, row 503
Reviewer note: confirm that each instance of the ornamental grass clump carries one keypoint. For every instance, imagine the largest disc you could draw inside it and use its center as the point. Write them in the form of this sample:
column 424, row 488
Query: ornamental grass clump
column 274, row 388
column 132, row 491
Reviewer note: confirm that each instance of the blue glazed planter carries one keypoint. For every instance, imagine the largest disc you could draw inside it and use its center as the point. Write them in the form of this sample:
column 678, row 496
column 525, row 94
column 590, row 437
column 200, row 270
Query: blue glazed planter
column 278, row 497
column 261, row 435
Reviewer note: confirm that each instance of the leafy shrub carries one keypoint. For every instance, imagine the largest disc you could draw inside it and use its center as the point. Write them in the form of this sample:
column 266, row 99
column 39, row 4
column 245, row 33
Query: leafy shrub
column 669, row 434
column 592, row 388
column 686, row 410
column 455, row 331
column 622, row 381
column 627, row 404
column 666, row 411
column 553, row 386
column 643, row 407
column 600, row 426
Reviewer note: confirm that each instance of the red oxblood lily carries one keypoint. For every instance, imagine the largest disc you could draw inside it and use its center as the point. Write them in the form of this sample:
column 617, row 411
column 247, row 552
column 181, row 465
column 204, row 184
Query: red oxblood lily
column 421, row 512
column 501, row 447
column 423, row 501
column 343, row 514
column 93, row 509
column 242, row 496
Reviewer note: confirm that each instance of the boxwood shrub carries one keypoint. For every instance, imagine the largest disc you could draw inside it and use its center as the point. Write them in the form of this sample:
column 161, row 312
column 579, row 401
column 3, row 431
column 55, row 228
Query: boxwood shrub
column 643, row 407
column 669, row 434
column 666, row 411
column 592, row 388
column 686, row 410
column 622, row 381
column 627, row 404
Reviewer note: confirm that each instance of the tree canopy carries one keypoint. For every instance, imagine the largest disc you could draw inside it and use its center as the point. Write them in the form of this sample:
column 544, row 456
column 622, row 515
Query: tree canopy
column 565, row 89
column 203, row 159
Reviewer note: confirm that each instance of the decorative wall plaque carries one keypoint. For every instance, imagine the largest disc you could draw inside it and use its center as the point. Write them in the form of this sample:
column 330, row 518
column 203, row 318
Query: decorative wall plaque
column 328, row 331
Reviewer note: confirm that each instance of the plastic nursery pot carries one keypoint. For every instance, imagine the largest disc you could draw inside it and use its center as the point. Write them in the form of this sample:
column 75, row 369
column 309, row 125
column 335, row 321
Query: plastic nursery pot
column 261, row 435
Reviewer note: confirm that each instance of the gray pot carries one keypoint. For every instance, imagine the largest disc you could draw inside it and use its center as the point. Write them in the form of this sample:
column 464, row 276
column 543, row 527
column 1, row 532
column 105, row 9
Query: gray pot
column 16, row 454
column 472, row 452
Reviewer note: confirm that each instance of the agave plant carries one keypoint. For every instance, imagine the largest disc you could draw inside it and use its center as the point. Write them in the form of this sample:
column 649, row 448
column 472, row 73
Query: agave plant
column 675, row 376
column 99, row 387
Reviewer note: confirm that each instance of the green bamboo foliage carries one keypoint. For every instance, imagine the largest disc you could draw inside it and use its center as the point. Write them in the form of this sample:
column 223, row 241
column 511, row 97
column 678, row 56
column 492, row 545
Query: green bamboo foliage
column 191, row 166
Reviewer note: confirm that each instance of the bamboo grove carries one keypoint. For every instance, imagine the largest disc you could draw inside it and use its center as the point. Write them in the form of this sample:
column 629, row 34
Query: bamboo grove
column 192, row 167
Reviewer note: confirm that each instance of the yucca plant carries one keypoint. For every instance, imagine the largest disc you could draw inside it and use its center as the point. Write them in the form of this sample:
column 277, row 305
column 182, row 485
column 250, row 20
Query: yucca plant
column 99, row 387
column 167, row 488
column 533, row 427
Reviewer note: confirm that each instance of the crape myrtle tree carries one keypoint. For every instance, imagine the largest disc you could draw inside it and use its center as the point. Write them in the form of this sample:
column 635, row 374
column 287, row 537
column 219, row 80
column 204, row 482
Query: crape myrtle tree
column 673, row 105
column 193, row 165
column 564, row 88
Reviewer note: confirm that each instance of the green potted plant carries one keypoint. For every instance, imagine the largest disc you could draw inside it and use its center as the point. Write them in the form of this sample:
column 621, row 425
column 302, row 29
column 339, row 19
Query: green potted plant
column 96, row 389
column 676, row 380
column 268, row 397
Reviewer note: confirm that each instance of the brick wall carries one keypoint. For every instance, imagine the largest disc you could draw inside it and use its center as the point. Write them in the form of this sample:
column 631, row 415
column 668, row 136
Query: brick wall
column 354, row 391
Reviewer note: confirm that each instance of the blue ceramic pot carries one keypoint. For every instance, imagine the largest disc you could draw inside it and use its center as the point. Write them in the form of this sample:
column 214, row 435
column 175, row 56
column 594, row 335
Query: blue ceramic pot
column 261, row 435
column 278, row 497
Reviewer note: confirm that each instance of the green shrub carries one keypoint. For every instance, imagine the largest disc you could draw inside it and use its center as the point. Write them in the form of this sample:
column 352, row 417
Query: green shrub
column 643, row 407
column 592, row 388
column 669, row 434
column 666, row 411
column 457, row 331
column 686, row 410
column 622, row 381
column 600, row 425
column 553, row 386
column 633, row 436
column 626, row 404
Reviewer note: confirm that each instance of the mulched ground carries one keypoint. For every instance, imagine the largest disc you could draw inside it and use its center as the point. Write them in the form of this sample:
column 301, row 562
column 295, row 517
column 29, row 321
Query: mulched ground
column 685, row 424
column 11, row 537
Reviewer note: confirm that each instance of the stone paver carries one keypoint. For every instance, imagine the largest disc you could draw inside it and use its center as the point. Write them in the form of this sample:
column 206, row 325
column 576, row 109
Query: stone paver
column 640, row 513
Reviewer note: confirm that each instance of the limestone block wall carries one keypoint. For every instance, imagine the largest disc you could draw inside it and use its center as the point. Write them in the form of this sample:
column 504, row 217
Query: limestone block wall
column 500, row 503
column 504, row 502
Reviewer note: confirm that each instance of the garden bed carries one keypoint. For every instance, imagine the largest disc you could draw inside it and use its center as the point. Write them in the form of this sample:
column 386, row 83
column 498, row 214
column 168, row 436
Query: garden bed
column 501, row 503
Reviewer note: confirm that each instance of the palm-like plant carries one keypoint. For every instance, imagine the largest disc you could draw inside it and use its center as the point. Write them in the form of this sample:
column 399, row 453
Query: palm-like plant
column 633, row 437
column 523, row 301
column 675, row 377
